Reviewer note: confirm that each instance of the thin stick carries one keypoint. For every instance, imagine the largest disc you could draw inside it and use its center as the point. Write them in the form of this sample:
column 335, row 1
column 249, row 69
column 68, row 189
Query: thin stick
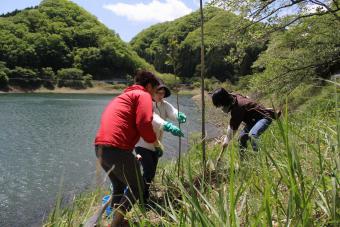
column 179, row 138
column 202, row 89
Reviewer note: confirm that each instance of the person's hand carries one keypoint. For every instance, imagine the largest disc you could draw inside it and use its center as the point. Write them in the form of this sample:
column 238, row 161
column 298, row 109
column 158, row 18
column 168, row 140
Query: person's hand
column 225, row 141
column 181, row 117
column 159, row 151
column 224, row 145
column 138, row 157
column 173, row 129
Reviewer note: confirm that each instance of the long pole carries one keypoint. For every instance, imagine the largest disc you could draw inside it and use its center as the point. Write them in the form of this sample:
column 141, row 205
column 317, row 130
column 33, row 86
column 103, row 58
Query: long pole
column 202, row 88
column 179, row 125
column 179, row 140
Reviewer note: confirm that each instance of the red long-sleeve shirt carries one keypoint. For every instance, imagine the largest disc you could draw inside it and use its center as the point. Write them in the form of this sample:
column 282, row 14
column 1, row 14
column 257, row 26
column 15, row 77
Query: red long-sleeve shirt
column 127, row 118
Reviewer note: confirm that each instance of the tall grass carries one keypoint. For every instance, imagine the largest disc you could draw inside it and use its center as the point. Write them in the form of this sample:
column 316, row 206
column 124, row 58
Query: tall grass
column 292, row 181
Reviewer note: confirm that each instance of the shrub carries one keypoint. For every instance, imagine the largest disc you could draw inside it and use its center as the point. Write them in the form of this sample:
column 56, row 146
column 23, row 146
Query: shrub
column 130, row 79
column 88, row 80
column 3, row 80
column 196, row 84
column 119, row 86
column 3, row 75
column 25, row 78
column 48, row 76
column 169, row 79
column 70, row 77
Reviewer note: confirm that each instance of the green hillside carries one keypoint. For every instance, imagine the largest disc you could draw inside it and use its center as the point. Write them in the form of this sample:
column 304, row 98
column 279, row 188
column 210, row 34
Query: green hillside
column 181, row 40
column 60, row 41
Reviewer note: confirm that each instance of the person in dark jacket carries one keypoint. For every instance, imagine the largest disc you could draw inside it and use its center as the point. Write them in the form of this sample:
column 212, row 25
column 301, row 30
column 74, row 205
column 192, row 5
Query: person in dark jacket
column 125, row 119
column 242, row 109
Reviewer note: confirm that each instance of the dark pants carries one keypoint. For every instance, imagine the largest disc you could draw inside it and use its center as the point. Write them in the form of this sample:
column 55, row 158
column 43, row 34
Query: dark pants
column 252, row 132
column 149, row 163
column 124, row 173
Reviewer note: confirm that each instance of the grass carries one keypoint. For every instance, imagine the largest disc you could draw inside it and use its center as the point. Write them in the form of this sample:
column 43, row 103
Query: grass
column 292, row 181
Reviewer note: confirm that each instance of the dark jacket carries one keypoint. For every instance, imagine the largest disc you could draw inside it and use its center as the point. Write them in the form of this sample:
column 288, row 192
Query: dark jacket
column 248, row 111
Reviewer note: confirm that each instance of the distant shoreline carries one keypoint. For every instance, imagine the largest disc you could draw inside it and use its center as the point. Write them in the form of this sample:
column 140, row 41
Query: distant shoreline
column 92, row 90
column 63, row 91
column 98, row 88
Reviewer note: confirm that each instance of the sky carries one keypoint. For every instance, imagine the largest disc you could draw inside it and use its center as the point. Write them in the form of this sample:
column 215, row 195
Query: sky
column 126, row 17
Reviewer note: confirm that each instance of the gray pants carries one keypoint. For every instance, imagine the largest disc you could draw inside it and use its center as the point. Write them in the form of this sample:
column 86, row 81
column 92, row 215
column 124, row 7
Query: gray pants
column 124, row 173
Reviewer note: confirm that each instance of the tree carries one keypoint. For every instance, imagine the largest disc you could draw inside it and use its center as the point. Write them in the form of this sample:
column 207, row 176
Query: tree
column 51, row 50
column 58, row 34
column 229, row 53
column 304, row 53
column 90, row 60
column 276, row 11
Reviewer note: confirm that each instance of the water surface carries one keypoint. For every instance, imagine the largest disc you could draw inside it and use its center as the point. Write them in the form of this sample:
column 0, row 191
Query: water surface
column 47, row 137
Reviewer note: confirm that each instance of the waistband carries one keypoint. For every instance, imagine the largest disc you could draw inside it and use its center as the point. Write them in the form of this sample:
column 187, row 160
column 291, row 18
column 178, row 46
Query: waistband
column 109, row 147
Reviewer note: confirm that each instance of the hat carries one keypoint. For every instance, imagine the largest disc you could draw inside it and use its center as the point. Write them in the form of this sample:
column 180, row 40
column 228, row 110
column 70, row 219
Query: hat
column 167, row 90
column 220, row 97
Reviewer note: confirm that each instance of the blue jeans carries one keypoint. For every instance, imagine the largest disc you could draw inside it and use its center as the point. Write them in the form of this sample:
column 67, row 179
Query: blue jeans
column 252, row 132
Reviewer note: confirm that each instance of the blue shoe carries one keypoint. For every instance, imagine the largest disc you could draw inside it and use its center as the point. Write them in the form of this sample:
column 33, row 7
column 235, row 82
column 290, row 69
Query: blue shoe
column 108, row 209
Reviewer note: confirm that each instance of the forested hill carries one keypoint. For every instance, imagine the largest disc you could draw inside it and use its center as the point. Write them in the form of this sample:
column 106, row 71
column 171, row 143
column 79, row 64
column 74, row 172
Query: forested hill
column 275, row 56
column 180, row 40
column 60, row 41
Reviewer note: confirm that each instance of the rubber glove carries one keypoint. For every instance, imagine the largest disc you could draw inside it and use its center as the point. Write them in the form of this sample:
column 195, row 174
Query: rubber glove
column 173, row 129
column 159, row 149
column 181, row 117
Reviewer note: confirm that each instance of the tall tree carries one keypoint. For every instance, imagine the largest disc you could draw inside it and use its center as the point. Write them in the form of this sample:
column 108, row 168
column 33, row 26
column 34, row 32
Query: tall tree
column 273, row 11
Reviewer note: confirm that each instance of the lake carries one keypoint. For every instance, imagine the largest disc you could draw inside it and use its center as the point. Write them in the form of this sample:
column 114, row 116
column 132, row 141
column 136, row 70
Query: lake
column 48, row 137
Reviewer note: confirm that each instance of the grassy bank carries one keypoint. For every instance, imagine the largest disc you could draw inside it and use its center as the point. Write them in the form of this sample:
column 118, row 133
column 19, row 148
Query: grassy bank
column 292, row 181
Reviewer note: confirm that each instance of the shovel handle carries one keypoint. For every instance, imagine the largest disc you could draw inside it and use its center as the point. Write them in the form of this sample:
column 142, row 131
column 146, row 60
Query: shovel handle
column 220, row 155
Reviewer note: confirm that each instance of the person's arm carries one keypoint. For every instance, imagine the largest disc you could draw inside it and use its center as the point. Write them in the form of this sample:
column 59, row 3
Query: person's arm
column 174, row 114
column 161, row 124
column 144, row 117
column 235, row 121
column 171, row 111
column 158, row 122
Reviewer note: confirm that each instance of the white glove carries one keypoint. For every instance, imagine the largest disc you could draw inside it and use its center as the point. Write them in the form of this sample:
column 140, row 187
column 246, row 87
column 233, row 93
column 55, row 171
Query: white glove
column 138, row 157
column 225, row 142
column 228, row 137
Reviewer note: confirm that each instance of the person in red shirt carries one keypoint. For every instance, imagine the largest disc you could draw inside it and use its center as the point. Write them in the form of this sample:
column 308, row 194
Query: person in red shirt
column 125, row 119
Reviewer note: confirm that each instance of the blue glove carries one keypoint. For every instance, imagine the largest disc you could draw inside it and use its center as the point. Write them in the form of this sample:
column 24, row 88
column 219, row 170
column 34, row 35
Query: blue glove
column 181, row 117
column 173, row 129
